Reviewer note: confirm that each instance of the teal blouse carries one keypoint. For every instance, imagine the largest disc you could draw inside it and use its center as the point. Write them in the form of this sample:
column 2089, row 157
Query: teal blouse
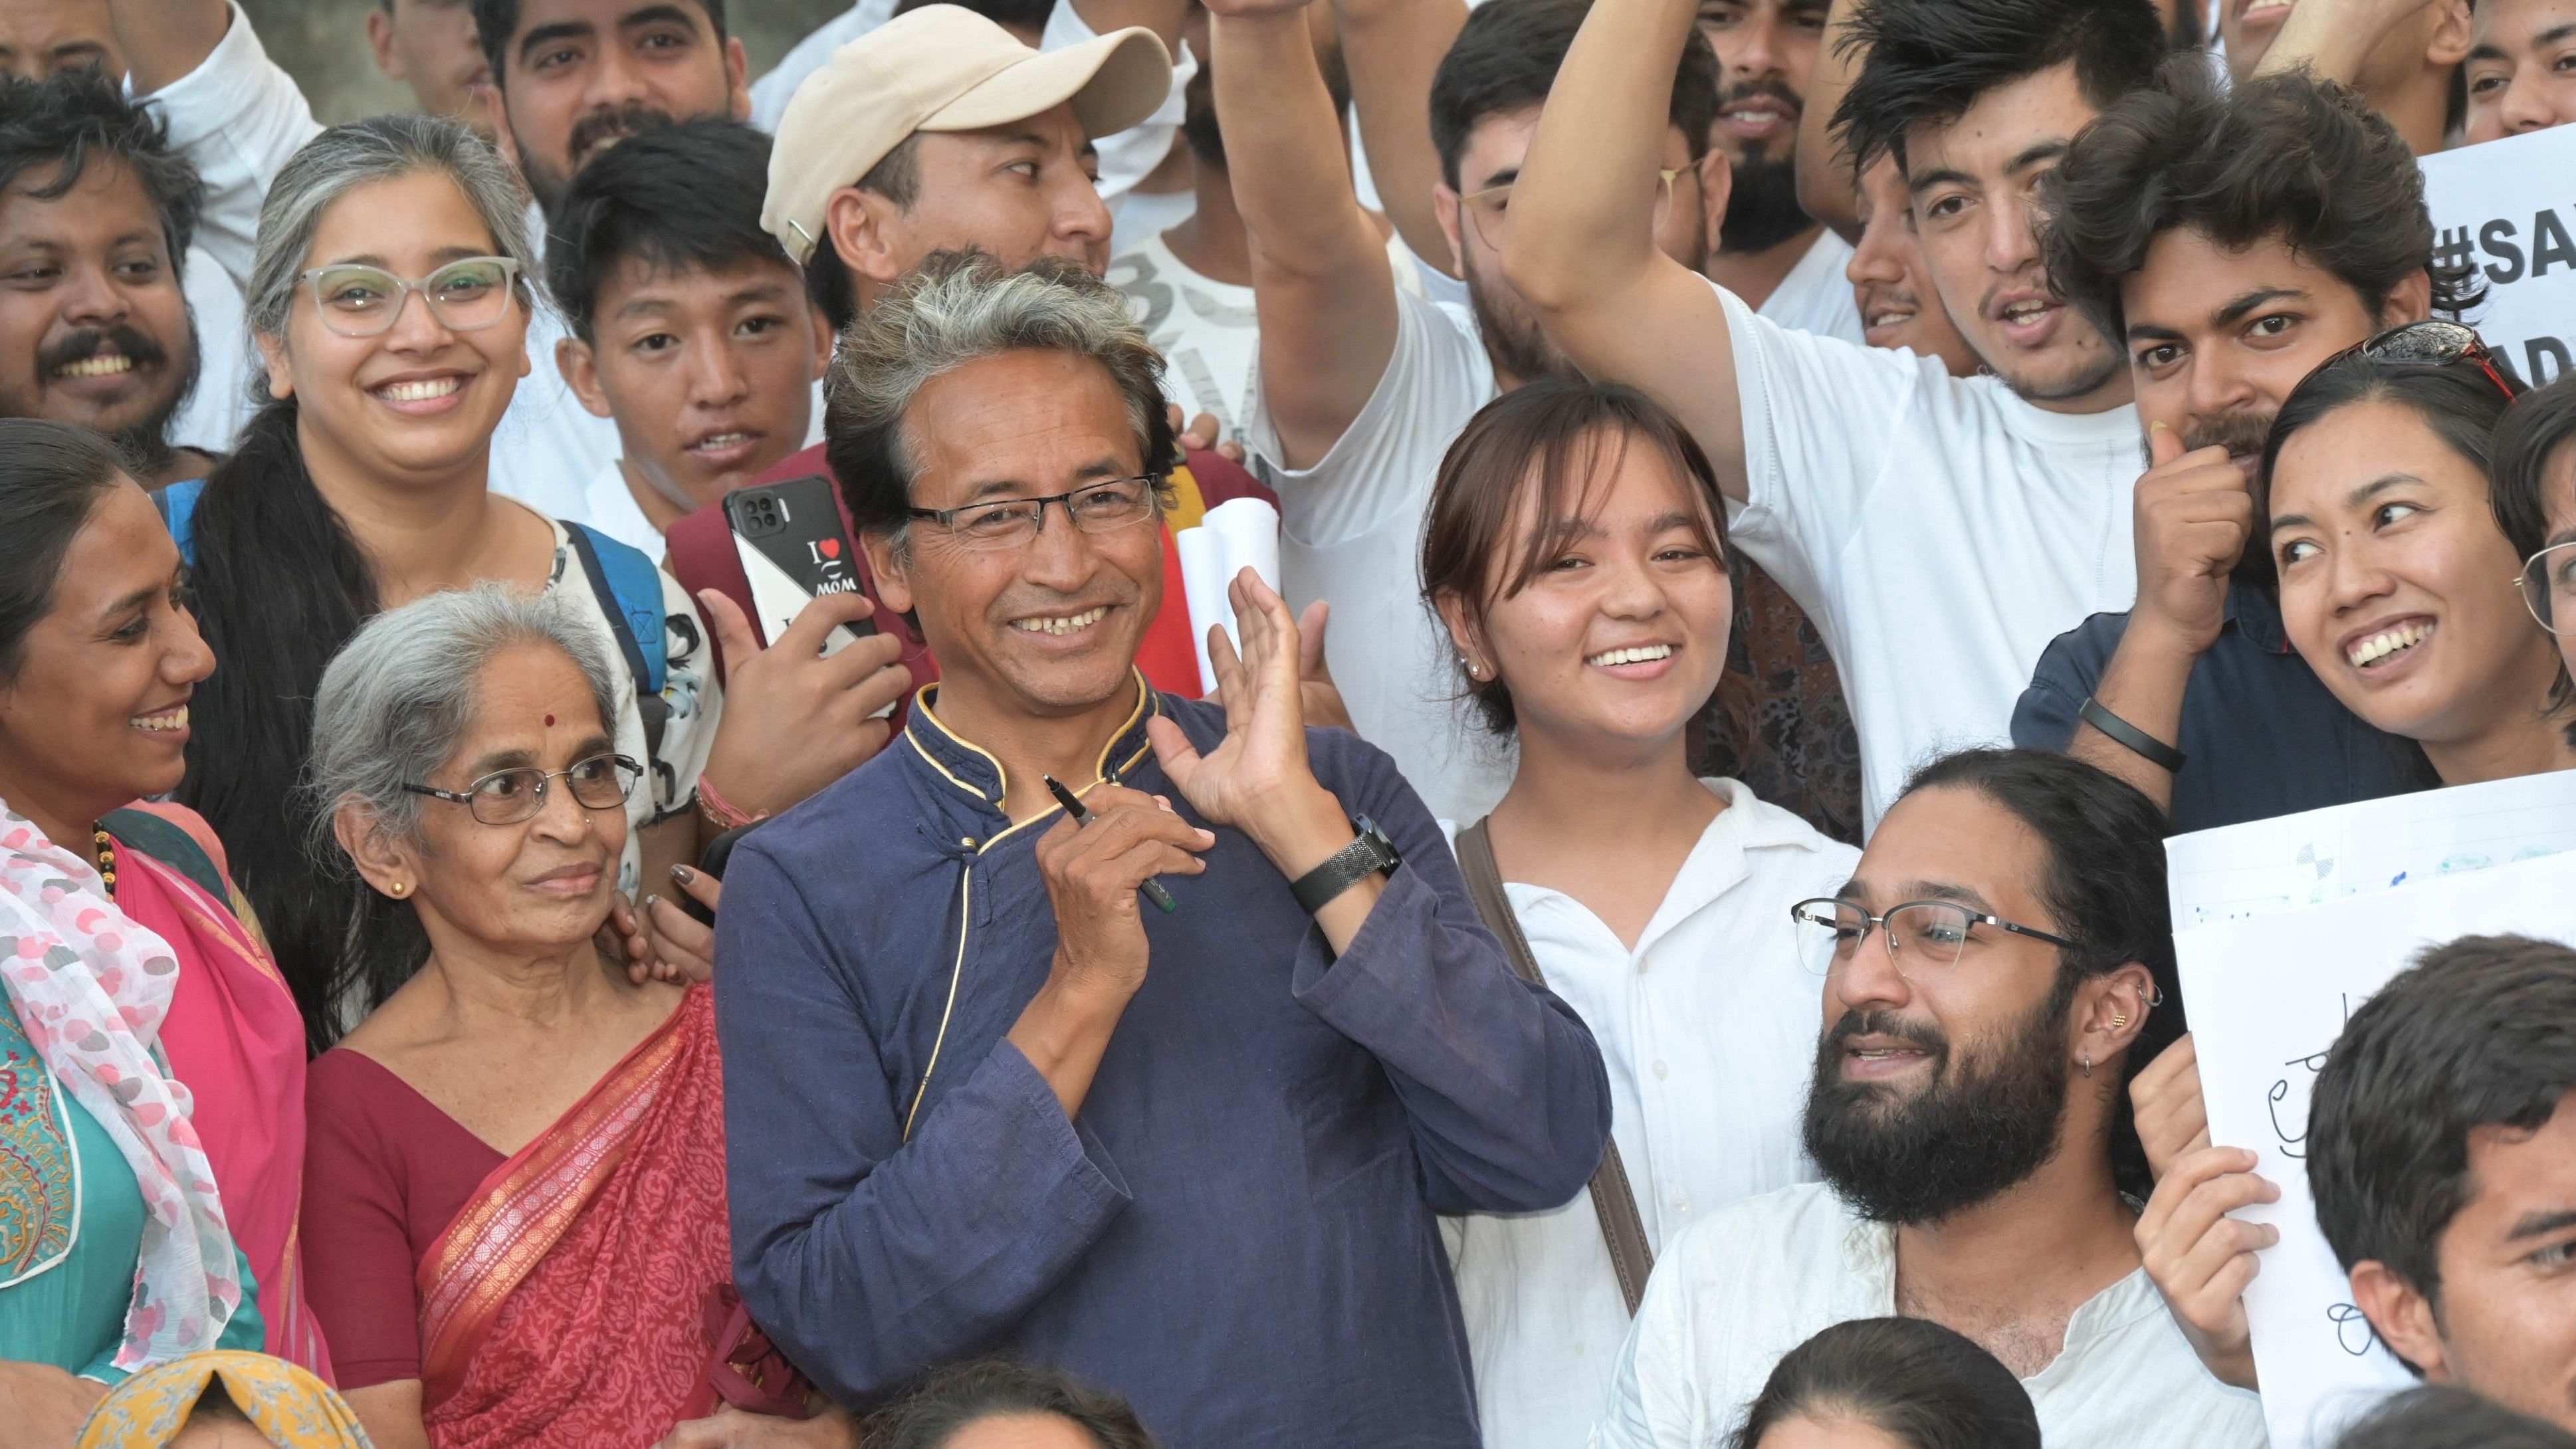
column 71, row 1226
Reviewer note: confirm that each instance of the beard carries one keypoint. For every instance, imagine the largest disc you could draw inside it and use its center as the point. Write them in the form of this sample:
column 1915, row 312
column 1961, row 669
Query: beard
column 2241, row 433
column 1517, row 345
column 1762, row 211
column 608, row 123
column 144, row 443
column 1964, row 1138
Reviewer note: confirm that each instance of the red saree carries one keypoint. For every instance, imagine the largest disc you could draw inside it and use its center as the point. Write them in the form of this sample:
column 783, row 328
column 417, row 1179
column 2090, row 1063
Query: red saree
column 570, row 1302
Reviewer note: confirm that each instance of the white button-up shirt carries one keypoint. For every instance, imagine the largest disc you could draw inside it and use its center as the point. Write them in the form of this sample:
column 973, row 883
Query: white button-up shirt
column 1744, row 1286
column 1708, row 1029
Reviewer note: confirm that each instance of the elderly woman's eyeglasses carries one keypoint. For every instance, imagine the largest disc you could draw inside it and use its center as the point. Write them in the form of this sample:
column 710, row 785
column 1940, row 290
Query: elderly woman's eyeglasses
column 1924, row 939
column 507, row 797
column 2548, row 585
column 363, row 301
column 1103, row 507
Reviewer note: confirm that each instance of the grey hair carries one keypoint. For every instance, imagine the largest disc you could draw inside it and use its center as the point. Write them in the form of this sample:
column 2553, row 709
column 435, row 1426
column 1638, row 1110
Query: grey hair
column 398, row 696
column 379, row 148
column 957, row 308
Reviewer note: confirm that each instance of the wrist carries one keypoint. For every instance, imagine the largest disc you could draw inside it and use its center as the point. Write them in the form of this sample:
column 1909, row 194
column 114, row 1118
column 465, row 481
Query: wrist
column 2156, row 637
column 1302, row 829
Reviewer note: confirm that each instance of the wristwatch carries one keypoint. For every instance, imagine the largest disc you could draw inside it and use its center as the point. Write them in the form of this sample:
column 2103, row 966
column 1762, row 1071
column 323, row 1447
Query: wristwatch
column 1350, row 865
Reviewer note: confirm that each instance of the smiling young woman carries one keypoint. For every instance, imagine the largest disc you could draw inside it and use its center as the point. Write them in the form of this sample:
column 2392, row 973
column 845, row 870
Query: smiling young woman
column 2399, row 584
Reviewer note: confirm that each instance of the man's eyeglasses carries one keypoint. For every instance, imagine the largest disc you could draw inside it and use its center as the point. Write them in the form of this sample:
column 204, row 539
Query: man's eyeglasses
column 507, row 797
column 1490, row 209
column 1924, row 939
column 362, row 301
column 1103, row 507
column 2433, row 343
column 2548, row 584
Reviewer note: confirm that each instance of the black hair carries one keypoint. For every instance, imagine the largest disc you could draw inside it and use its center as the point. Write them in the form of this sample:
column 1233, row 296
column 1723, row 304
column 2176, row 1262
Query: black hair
column 2474, row 1034
column 496, row 24
column 2432, row 1417
column 2518, row 460
column 1929, row 60
column 280, row 586
column 932, row 1416
column 52, row 476
column 2458, row 401
column 2105, row 887
column 79, row 117
column 686, row 195
column 1506, row 58
column 2286, row 157
column 1023, row 14
column 1917, row 1382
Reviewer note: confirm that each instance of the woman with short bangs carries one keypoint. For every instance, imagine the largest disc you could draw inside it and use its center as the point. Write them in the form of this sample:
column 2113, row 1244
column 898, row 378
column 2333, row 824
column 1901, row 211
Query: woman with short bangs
column 516, row 1218
column 2398, row 583
column 1576, row 550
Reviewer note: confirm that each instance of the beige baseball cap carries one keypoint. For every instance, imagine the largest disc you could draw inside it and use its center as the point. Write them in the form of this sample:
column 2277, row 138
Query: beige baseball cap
column 941, row 68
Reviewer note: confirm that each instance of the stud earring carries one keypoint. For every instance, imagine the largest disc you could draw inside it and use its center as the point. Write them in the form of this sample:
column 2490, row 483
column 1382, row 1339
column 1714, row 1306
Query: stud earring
column 1474, row 670
column 401, row 889
column 2119, row 1020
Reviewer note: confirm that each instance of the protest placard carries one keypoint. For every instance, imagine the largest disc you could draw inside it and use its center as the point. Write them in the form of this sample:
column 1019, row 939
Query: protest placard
column 2519, row 238
column 2268, row 993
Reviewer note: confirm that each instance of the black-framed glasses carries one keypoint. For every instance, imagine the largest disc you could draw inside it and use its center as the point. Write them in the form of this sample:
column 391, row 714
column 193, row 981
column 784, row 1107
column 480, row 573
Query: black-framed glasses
column 2548, row 585
column 2431, row 342
column 1490, row 210
column 507, row 797
column 1924, row 939
column 1103, row 507
column 363, row 301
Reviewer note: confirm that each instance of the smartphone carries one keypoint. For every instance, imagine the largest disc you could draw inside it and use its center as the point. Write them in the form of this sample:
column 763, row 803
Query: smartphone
column 793, row 549
column 718, row 852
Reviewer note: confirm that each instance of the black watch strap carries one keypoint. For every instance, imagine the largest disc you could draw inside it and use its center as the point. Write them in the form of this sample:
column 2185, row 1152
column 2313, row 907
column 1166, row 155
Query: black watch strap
column 1347, row 867
column 2135, row 740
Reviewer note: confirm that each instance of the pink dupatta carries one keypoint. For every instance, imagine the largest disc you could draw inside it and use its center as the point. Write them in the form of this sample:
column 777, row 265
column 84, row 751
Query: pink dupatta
column 235, row 1037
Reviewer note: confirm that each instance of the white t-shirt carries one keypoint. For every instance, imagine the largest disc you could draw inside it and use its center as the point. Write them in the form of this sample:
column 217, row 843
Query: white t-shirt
column 609, row 506
column 1350, row 533
column 1740, row 1288
column 222, row 401
column 1816, row 296
column 1940, row 531
column 1707, row 1028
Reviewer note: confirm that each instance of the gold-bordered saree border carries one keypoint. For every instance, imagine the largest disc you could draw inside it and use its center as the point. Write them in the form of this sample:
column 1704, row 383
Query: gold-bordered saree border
column 525, row 1207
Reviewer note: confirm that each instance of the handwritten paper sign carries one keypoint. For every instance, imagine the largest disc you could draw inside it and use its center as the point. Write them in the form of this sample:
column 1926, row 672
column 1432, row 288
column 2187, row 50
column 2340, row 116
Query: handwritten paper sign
column 2498, row 208
column 2268, row 994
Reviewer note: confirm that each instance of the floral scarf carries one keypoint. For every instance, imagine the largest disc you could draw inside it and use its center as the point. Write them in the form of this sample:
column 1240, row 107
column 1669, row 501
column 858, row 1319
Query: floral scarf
column 91, row 989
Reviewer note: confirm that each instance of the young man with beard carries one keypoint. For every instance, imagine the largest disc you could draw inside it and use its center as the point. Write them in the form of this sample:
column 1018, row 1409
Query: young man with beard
column 2233, row 239
column 1784, row 264
column 1991, row 972
column 95, row 214
column 1939, row 531
column 2442, row 1153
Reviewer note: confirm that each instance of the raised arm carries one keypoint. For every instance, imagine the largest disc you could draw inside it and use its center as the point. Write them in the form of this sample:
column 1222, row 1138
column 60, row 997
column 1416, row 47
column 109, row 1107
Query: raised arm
column 1321, row 281
column 165, row 39
column 1582, row 246
column 1828, row 189
column 1392, row 48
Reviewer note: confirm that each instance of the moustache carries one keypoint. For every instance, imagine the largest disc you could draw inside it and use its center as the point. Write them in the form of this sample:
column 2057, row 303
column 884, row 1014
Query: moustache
column 1772, row 89
column 2240, row 433
column 89, row 342
column 614, row 123
column 1889, row 1024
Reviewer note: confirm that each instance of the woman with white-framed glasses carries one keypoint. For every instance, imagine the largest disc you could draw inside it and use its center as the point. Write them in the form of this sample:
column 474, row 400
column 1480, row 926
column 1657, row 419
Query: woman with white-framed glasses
column 2534, row 471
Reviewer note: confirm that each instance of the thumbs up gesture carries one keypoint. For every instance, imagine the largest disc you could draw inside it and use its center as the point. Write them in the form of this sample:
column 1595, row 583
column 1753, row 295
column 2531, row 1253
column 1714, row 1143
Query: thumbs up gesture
column 2194, row 516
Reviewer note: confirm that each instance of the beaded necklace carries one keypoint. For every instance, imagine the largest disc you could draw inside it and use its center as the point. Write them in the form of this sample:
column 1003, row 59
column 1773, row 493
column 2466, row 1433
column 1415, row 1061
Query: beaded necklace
column 106, row 859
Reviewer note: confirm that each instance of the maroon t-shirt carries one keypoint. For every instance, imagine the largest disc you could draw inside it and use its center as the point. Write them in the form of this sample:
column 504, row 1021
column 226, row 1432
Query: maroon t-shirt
column 385, row 1172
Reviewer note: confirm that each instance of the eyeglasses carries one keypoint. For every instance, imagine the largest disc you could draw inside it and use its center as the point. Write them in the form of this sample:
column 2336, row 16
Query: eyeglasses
column 507, row 797
column 1490, row 209
column 2548, row 585
column 361, row 301
column 1103, row 507
column 1924, row 938
column 2435, row 344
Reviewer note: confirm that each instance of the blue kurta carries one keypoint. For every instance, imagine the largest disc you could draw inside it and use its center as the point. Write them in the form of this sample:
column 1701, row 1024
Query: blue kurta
column 1238, row 1233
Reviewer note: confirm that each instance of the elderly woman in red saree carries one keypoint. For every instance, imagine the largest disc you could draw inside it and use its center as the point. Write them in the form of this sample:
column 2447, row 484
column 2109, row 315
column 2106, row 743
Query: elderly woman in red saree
column 149, row 1167
column 518, row 1232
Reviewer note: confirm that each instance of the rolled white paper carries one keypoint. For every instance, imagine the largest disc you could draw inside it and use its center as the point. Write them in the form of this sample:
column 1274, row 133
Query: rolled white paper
column 1237, row 534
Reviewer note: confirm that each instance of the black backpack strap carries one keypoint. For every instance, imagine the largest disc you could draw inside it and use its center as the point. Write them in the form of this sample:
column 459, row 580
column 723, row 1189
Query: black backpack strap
column 146, row 832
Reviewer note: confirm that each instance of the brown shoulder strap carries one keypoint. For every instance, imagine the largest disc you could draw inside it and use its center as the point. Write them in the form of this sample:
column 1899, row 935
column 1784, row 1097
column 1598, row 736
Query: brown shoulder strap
column 1622, row 1228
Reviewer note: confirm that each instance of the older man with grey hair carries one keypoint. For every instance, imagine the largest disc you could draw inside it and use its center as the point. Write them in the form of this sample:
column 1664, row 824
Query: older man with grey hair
column 977, row 1098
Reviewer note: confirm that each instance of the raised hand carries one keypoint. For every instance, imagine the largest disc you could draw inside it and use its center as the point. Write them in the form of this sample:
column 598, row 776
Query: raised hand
column 2194, row 516
column 795, row 721
column 2164, row 1100
column 2201, row 1259
column 1263, row 755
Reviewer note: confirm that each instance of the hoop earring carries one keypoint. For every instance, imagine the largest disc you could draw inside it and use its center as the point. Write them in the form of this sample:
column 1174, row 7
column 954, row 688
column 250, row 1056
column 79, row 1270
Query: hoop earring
column 2088, row 1064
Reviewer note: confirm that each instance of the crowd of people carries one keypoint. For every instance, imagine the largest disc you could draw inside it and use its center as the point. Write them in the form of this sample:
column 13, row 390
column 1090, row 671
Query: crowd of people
column 1657, row 936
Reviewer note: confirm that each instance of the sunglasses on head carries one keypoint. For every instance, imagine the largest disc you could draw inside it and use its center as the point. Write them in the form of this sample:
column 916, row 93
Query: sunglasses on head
column 2432, row 343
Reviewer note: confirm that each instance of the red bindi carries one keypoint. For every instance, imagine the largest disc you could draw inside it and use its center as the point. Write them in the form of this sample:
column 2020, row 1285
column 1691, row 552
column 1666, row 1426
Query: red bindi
column 550, row 719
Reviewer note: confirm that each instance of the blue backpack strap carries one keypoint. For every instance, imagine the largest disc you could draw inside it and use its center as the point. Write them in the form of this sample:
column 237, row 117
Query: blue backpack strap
column 178, row 507
column 632, row 585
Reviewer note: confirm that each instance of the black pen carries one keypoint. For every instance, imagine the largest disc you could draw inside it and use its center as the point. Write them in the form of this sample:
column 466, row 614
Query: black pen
column 1073, row 806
